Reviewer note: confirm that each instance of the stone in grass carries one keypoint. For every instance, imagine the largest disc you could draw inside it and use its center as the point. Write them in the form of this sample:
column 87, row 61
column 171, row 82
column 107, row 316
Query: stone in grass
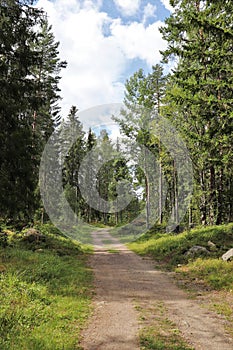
column 228, row 255
column 39, row 250
column 212, row 246
column 2, row 269
column 33, row 235
column 197, row 250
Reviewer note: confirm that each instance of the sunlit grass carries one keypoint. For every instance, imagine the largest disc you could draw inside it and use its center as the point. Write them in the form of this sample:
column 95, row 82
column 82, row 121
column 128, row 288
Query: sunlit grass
column 45, row 294
column 171, row 249
column 217, row 273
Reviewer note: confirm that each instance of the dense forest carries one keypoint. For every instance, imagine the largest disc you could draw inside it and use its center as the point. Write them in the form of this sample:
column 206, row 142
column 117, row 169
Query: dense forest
column 196, row 96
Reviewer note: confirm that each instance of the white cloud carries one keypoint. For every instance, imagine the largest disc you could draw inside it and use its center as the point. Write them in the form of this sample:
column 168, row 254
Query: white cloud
column 97, row 63
column 128, row 7
column 138, row 41
column 149, row 11
column 167, row 5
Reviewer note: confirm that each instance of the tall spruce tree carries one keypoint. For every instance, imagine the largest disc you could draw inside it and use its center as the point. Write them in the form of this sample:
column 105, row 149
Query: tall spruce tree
column 20, row 56
column 90, row 213
column 46, row 76
column 73, row 160
column 199, row 97
column 105, row 173
column 16, row 61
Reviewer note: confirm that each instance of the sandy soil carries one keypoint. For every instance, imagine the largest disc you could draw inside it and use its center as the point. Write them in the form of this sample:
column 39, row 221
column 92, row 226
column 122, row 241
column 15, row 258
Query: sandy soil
column 123, row 279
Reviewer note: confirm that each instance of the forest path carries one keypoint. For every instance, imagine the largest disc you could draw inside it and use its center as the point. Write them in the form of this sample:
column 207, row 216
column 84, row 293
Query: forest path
column 123, row 280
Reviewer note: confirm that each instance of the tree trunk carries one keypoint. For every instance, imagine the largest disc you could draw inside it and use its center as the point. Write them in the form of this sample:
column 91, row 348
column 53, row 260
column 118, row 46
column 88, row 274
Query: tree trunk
column 176, row 195
column 212, row 198
column 203, row 208
column 147, row 203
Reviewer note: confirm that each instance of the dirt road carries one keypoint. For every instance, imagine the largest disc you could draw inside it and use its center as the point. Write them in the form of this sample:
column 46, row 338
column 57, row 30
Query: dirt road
column 122, row 279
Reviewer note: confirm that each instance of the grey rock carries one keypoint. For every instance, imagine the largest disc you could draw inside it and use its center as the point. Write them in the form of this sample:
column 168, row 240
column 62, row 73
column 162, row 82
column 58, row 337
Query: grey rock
column 228, row 255
column 197, row 250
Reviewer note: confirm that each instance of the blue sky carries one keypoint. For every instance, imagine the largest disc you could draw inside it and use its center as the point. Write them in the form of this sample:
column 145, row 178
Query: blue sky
column 104, row 43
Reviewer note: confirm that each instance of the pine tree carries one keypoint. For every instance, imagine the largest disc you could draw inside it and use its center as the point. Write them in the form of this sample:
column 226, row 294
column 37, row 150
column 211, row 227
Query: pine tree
column 156, row 88
column 90, row 170
column 142, row 103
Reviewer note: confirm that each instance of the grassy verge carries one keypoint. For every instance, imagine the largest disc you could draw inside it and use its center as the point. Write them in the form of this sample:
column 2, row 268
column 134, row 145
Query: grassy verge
column 170, row 251
column 206, row 276
column 45, row 292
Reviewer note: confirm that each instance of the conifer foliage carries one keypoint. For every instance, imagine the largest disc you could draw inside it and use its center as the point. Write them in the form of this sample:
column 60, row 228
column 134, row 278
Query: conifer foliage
column 199, row 98
column 196, row 97
column 29, row 76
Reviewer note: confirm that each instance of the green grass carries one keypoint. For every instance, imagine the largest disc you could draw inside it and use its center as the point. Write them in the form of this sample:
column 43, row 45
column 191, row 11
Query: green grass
column 151, row 341
column 113, row 251
column 45, row 293
column 107, row 241
column 216, row 273
column 169, row 251
column 161, row 333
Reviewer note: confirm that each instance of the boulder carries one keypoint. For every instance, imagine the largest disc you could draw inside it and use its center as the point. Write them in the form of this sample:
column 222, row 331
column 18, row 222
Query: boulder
column 197, row 250
column 178, row 229
column 33, row 235
column 228, row 255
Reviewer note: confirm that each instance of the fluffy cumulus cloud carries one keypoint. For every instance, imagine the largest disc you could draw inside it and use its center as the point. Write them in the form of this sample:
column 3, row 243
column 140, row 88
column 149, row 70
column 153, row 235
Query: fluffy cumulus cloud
column 149, row 11
column 98, row 49
column 128, row 7
column 138, row 41
column 167, row 5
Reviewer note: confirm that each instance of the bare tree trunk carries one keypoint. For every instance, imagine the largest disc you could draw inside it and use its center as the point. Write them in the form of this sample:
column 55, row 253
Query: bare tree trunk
column 212, row 197
column 160, row 193
column 220, row 211
column 176, row 195
column 147, row 203
column 203, row 208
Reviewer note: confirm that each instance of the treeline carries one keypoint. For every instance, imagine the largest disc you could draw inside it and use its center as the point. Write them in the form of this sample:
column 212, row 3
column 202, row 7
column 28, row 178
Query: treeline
column 196, row 97
column 29, row 114
column 92, row 170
